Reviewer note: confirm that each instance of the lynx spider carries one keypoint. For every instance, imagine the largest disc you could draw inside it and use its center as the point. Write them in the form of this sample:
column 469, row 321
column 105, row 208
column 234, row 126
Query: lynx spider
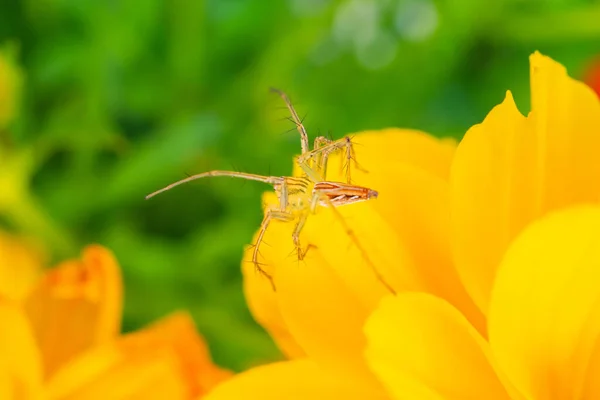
column 300, row 196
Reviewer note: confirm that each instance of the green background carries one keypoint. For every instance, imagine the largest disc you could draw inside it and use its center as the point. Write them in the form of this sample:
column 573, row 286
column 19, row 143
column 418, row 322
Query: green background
column 122, row 97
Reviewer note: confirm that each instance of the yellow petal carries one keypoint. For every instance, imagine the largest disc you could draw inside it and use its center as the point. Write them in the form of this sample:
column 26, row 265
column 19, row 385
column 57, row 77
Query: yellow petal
column 591, row 385
column 402, row 235
column 330, row 330
column 483, row 176
column 544, row 320
column 323, row 314
column 392, row 145
column 20, row 363
column 76, row 305
column 166, row 360
column 259, row 293
column 323, row 300
column 407, row 229
column 21, row 266
column 510, row 170
column 422, row 347
column 291, row 380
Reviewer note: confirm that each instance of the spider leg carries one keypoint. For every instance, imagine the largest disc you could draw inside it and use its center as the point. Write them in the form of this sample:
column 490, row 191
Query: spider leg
column 296, row 119
column 271, row 180
column 296, row 236
column 270, row 214
column 314, row 162
column 320, row 164
column 350, row 156
column 320, row 156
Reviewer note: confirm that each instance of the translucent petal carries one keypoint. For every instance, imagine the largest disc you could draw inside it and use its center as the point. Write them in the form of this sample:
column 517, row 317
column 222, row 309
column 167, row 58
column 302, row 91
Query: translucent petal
column 75, row 306
column 166, row 360
column 20, row 362
column 544, row 319
column 511, row 170
column 294, row 380
column 422, row 347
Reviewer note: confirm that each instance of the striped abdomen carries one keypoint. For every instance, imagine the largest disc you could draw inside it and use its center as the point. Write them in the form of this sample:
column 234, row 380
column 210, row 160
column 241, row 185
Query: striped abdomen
column 339, row 194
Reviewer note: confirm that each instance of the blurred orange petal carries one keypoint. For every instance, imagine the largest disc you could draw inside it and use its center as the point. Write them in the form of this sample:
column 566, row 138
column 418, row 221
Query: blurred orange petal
column 20, row 362
column 294, row 380
column 108, row 374
column 178, row 332
column 76, row 305
column 423, row 348
column 21, row 265
column 166, row 360
column 511, row 170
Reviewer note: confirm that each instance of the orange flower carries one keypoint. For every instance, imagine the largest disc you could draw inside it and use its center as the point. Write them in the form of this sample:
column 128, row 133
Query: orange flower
column 60, row 339
column 506, row 213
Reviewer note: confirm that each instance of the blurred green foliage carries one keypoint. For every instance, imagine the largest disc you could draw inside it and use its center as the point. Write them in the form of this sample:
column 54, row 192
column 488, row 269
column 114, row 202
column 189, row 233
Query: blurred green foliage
column 122, row 97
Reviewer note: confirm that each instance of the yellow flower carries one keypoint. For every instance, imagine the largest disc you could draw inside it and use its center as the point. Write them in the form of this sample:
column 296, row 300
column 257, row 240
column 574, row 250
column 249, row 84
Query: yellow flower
column 526, row 224
column 59, row 336
column 317, row 314
column 508, row 212
column 543, row 325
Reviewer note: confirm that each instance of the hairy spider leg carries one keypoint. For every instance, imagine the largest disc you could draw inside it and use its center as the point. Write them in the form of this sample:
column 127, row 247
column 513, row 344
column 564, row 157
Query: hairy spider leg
column 321, row 155
column 303, row 135
column 351, row 155
column 281, row 188
column 296, row 234
column 288, row 212
column 269, row 215
column 314, row 162
column 314, row 202
column 317, row 164
column 271, row 180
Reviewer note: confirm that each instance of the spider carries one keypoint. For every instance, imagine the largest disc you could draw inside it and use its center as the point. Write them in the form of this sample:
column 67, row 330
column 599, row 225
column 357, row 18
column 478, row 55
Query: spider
column 298, row 197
